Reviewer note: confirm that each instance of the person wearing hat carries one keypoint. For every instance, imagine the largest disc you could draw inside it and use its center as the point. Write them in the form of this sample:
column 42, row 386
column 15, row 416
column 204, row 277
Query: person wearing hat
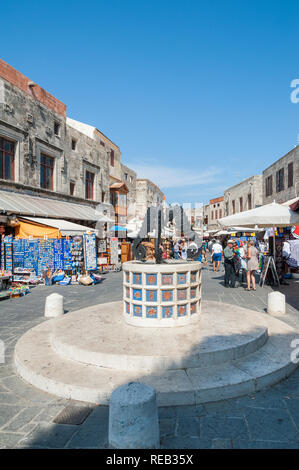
column 228, row 254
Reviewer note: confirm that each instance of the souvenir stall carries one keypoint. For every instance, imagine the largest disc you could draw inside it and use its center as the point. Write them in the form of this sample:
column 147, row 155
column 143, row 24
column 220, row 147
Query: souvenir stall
column 34, row 256
column 277, row 217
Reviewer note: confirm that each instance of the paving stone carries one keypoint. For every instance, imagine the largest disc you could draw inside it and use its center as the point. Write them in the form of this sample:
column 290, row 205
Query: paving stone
column 10, row 398
column 90, row 436
column 167, row 427
column 271, row 424
column 25, row 391
column 99, row 415
column 24, row 417
column 292, row 405
column 166, row 412
column 222, row 444
column 245, row 444
column 7, row 413
column 6, row 370
column 190, row 410
column 223, row 427
column 188, row 426
column 268, row 398
column 28, row 428
column 224, row 407
column 9, row 440
column 50, row 436
column 49, row 413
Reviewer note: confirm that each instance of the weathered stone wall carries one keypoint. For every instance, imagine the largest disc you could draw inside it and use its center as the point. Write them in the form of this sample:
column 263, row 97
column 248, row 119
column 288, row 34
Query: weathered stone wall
column 147, row 194
column 16, row 78
column 252, row 186
column 129, row 178
column 30, row 124
column 288, row 192
column 90, row 156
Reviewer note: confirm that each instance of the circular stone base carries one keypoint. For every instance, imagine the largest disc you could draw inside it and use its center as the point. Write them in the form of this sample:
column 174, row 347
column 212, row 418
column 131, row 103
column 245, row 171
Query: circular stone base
column 100, row 336
column 86, row 354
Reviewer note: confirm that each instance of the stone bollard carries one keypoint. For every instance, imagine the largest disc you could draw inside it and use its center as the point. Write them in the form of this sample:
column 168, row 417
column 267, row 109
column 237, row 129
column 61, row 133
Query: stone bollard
column 276, row 303
column 133, row 417
column 54, row 305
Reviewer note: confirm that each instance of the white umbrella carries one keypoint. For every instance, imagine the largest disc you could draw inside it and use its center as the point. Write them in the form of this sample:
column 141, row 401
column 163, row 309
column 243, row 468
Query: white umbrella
column 270, row 215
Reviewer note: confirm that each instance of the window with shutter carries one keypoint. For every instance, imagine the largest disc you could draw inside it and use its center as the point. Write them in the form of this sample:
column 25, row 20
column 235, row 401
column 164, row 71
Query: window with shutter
column 7, row 156
column 280, row 180
column 290, row 175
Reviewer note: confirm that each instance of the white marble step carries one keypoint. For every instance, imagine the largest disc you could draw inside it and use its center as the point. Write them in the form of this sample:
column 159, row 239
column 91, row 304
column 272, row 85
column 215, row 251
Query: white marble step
column 37, row 363
column 99, row 336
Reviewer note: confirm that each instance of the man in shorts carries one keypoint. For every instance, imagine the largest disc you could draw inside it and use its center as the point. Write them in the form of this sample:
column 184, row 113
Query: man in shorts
column 216, row 255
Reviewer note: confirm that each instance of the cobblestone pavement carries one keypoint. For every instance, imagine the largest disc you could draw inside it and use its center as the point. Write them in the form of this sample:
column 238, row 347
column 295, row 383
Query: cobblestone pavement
column 267, row 419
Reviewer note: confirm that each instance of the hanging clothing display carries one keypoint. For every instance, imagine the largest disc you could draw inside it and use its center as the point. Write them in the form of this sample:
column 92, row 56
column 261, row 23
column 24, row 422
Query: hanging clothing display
column 291, row 253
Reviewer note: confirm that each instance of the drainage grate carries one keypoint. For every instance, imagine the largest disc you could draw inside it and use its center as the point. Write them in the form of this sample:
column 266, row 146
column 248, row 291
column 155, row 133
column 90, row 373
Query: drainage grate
column 73, row 414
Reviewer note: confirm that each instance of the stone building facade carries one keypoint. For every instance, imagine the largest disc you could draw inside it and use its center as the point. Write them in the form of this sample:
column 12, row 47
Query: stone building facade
column 45, row 153
column 147, row 194
column 129, row 177
column 281, row 179
column 244, row 196
column 212, row 212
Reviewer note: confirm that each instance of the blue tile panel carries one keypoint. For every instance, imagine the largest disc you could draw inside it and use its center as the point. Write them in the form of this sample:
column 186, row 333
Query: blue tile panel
column 137, row 294
column 167, row 312
column 151, row 296
column 167, row 295
column 182, row 310
column 151, row 311
column 181, row 294
column 137, row 310
column 167, row 279
column 137, row 278
column 182, row 278
column 151, row 279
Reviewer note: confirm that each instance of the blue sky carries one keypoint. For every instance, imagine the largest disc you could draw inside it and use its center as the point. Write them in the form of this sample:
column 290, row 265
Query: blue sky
column 195, row 93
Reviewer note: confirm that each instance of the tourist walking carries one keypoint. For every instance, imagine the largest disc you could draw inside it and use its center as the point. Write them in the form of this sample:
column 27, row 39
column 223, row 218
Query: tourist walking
column 205, row 253
column 176, row 249
column 228, row 254
column 252, row 264
column 216, row 255
column 243, row 258
column 183, row 250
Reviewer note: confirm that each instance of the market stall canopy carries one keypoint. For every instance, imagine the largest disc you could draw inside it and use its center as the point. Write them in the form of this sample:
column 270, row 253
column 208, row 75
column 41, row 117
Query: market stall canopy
column 245, row 229
column 23, row 204
column 38, row 227
column 293, row 204
column 231, row 230
column 270, row 215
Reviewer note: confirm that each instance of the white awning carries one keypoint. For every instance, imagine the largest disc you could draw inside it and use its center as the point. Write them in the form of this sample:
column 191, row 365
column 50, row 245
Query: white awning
column 65, row 227
column 269, row 215
column 24, row 204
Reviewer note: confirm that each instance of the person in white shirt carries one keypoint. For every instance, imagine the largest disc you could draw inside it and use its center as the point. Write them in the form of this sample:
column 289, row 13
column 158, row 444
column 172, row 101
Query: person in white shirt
column 216, row 255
